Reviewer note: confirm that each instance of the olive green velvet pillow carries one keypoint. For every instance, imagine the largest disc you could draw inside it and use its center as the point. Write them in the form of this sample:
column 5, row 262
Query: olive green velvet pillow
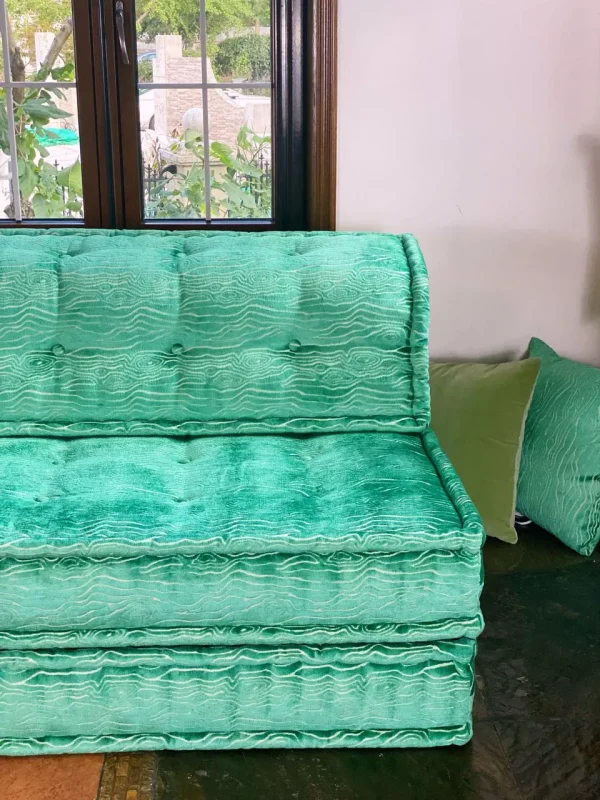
column 559, row 484
column 478, row 413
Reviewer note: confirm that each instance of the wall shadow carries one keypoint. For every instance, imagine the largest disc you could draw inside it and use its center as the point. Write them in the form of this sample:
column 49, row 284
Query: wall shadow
column 590, row 147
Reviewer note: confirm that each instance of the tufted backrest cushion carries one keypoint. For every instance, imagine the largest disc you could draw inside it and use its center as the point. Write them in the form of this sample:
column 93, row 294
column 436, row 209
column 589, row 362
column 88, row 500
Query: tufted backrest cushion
column 111, row 332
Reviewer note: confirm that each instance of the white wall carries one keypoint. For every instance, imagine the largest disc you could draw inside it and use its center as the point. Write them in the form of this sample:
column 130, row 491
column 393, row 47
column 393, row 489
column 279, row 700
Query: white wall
column 475, row 124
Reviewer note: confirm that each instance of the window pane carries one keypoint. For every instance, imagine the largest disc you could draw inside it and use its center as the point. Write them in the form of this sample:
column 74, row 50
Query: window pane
column 173, row 154
column 239, row 41
column 43, row 36
column 57, row 184
column 46, row 123
column 170, row 51
column 166, row 59
column 6, row 197
column 169, row 44
column 241, row 159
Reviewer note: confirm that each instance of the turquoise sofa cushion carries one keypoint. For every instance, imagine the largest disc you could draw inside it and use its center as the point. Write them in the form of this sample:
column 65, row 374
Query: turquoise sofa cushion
column 178, row 539
column 245, row 494
column 138, row 333
column 162, row 586
column 222, row 697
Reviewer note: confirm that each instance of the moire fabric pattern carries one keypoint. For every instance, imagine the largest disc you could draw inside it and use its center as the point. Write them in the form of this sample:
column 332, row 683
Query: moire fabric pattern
column 240, row 740
column 215, row 520
column 559, row 481
column 237, row 494
column 212, row 690
column 372, row 633
column 189, row 333
column 225, row 522
column 305, row 589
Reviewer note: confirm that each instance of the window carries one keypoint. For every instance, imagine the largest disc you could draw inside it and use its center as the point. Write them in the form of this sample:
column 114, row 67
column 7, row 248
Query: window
column 167, row 113
column 40, row 164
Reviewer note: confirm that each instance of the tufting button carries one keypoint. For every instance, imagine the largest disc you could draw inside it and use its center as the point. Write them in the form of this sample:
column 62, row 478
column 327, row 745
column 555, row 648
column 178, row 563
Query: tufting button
column 294, row 345
column 177, row 349
column 58, row 350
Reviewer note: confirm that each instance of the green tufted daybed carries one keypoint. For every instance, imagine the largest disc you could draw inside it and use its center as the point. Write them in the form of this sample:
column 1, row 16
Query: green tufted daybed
column 224, row 521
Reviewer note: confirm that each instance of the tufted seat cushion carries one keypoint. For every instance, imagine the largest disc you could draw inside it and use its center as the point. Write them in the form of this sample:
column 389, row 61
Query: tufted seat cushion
column 156, row 534
column 218, row 592
column 136, row 333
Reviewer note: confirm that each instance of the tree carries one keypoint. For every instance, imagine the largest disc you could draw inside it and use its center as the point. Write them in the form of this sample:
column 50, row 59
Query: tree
column 182, row 17
column 45, row 190
column 247, row 57
column 26, row 17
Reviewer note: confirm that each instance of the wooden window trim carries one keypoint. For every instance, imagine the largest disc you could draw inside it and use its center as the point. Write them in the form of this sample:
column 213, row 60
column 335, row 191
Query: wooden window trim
column 95, row 139
column 322, row 116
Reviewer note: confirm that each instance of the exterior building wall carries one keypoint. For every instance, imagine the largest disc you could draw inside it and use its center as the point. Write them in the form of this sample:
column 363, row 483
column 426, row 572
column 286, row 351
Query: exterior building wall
column 226, row 117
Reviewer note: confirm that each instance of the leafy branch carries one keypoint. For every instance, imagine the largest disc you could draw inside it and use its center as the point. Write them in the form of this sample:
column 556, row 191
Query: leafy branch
column 240, row 189
column 239, row 186
column 43, row 187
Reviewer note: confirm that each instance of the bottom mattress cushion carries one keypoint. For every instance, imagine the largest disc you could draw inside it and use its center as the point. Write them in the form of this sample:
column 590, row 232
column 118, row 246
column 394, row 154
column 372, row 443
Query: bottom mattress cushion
column 215, row 697
column 224, row 540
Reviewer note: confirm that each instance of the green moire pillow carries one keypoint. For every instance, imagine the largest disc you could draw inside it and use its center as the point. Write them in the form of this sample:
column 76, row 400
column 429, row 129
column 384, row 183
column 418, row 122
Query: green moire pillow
column 559, row 483
column 478, row 413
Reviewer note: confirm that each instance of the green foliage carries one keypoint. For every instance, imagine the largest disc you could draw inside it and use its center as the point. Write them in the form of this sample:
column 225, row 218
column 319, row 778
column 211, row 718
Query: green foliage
column 45, row 190
column 29, row 16
column 145, row 71
column 243, row 190
column 182, row 17
column 247, row 57
column 240, row 189
column 41, row 15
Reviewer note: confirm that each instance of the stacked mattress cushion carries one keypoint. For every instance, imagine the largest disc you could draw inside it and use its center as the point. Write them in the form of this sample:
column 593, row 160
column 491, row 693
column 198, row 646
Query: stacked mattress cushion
column 225, row 522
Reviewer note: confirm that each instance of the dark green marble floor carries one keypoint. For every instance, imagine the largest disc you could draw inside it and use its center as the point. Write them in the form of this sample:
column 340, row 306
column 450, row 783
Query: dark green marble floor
column 537, row 711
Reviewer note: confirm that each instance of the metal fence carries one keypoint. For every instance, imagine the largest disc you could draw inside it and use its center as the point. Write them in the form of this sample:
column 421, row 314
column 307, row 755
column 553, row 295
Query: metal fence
column 157, row 178
column 66, row 212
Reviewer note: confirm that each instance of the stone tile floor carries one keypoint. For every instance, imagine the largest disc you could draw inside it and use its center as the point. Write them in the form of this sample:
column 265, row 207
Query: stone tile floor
column 537, row 716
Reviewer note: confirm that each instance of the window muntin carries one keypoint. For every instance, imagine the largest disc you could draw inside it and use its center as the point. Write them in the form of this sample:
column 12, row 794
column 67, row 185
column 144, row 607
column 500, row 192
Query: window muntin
column 205, row 87
column 40, row 154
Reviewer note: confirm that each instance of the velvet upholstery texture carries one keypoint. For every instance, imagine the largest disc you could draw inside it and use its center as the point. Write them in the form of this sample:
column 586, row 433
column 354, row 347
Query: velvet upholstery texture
column 422, row 691
column 160, row 533
column 245, row 494
column 478, row 411
column 224, row 520
column 136, row 333
column 559, row 482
